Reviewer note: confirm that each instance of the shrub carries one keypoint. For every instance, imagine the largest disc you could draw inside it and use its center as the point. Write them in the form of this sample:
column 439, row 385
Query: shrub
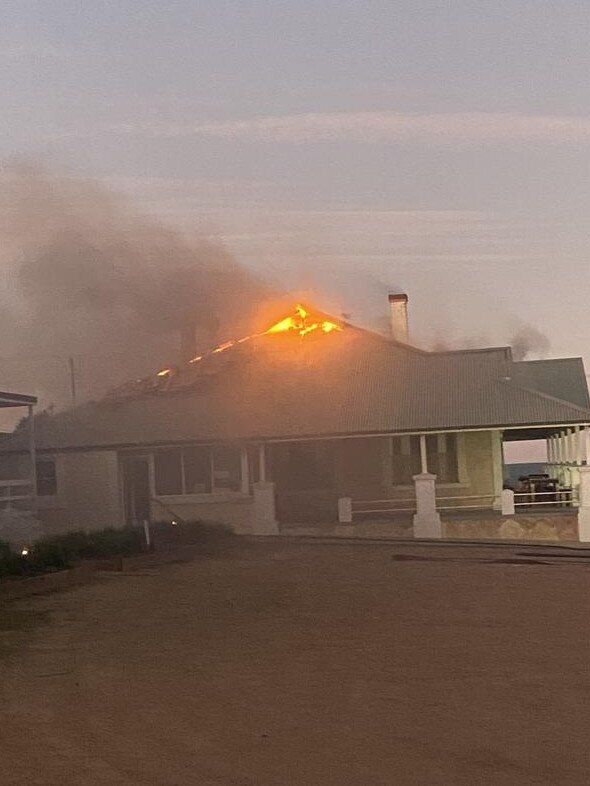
column 5, row 550
column 193, row 533
column 62, row 551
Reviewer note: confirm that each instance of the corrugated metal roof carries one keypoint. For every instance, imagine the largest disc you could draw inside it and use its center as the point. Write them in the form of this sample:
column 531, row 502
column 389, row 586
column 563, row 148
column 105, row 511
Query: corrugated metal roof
column 349, row 382
column 563, row 378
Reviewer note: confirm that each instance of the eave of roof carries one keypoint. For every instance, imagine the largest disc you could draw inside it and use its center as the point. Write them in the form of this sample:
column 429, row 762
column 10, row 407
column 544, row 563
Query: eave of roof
column 16, row 400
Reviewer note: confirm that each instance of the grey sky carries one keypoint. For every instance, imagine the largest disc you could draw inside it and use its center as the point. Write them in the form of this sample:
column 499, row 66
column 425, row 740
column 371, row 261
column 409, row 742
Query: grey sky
column 347, row 146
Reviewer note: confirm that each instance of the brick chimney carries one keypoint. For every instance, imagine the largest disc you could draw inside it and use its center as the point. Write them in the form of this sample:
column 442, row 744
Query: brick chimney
column 398, row 305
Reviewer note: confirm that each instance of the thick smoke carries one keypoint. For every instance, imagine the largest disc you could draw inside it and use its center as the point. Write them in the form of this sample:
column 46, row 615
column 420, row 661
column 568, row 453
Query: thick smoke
column 85, row 276
column 529, row 340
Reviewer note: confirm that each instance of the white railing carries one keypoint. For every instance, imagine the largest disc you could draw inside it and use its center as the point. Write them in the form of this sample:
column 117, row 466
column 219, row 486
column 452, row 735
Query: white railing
column 466, row 497
column 562, row 498
column 12, row 491
column 349, row 508
column 408, row 505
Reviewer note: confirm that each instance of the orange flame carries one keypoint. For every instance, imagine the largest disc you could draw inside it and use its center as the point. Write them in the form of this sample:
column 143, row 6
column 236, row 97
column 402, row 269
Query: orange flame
column 298, row 323
column 223, row 347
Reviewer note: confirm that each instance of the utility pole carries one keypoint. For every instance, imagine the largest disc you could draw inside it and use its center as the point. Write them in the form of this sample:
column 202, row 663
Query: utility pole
column 72, row 379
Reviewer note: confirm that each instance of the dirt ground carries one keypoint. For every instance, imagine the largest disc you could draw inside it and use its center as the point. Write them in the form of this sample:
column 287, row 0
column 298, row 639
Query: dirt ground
column 295, row 663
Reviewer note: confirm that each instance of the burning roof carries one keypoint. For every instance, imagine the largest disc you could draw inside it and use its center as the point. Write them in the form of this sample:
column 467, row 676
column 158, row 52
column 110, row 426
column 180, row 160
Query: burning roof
column 300, row 325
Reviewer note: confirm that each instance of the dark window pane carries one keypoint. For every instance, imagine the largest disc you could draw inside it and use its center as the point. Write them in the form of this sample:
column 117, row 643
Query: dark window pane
column 441, row 453
column 46, row 478
column 405, row 460
column 451, row 470
column 168, row 471
column 433, row 456
column 254, row 463
column 197, row 469
column 226, row 467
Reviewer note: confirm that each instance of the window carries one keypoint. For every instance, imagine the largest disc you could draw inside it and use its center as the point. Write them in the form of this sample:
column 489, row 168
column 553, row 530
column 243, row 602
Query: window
column 46, row 478
column 405, row 459
column 441, row 458
column 199, row 469
column 226, row 468
column 168, row 466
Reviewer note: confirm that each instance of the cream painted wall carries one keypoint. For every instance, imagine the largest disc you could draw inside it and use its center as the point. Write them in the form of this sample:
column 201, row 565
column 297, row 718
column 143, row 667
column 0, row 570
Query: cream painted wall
column 476, row 465
column 89, row 498
column 88, row 495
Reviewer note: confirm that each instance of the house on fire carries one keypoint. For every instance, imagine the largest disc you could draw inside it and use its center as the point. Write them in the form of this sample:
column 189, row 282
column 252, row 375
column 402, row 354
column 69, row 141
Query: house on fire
column 276, row 428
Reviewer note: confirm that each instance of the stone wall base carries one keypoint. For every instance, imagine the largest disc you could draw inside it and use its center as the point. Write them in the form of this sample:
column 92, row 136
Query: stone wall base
column 562, row 527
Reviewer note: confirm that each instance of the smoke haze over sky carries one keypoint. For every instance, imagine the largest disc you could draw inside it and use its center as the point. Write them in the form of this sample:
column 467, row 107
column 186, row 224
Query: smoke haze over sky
column 438, row 146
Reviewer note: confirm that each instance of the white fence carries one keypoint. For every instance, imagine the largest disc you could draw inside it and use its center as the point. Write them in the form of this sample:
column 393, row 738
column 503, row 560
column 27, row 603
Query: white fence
column 349, row 509
column 466, row 502
column 561, row 498
column 397, row 505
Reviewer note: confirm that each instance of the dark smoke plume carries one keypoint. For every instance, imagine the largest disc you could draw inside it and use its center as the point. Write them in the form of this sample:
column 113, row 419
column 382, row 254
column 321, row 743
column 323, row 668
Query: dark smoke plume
column 528, row 340
column 83, row 275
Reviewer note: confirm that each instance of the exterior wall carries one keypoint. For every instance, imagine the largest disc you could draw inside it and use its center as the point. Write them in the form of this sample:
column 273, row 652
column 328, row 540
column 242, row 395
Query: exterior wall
column 236, row 510
column 362, row 471
column 554, row 527
column 88, row 495
column 90, row 498
column 480, row 468
column 90, row 488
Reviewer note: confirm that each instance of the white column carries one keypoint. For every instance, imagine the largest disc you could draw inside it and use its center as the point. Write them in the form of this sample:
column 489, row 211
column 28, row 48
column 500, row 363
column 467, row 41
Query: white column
column 507, row 502
column 32, row 457
column 584, row 508
column 427, row 523
column 423, row 458
column 265, row 522
column 345, row 510
column 569, row 477
column 244, row 471
column 577, row 445
column 562, row 459
column 587, row 445
column 262, row 462
column 497, row 468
